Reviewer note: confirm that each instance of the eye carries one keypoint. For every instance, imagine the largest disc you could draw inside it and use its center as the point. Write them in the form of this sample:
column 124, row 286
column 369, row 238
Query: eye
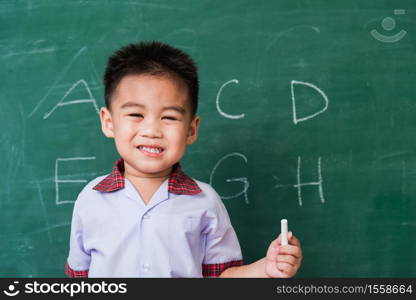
column 136, row 115
column 170, row 118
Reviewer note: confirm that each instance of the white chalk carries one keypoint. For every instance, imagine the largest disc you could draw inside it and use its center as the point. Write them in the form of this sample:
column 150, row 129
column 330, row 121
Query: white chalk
column 283, row 224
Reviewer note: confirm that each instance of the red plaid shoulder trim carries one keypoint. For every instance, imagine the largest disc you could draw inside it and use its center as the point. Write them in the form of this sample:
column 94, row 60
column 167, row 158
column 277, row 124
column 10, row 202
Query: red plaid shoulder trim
column 214, row 270
column 179, row 183
column 75, row 274
column 114, row 181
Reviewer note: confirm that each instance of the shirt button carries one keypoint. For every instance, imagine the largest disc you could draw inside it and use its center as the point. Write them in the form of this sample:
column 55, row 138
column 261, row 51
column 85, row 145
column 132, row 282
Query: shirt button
column 146, row 267
column 146, row 216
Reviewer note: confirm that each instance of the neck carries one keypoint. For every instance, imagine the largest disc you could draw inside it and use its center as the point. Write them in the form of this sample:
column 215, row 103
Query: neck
column 148, row 184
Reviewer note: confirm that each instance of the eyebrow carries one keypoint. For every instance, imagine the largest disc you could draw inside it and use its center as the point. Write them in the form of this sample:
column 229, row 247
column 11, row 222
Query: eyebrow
column 131, row 104
column 177, row 108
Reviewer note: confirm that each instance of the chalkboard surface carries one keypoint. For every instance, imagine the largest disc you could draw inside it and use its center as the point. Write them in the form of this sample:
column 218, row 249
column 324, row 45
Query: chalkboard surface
column 308, row 113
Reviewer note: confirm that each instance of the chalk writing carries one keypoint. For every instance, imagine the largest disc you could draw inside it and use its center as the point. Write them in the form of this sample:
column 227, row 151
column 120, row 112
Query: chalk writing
column 58, row 79
column 58, row 181
column 300, row 184
column 244, row 180
column 296, row 120
column 218, row 102
column 78, row 101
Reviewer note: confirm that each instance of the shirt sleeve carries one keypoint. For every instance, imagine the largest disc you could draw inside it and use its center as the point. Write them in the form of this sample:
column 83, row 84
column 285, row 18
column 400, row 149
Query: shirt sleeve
column 78, row 259
column 222, row 249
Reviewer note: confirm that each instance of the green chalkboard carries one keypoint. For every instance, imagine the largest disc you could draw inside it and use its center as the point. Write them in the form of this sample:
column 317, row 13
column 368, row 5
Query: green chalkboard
column 308, row 113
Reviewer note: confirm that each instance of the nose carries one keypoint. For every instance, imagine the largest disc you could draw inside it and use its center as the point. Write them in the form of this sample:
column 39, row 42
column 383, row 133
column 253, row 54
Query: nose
column 150, row 129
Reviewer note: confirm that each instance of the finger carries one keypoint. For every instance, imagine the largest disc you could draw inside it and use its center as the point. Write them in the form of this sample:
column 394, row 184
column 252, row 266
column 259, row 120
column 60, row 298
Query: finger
column 272, row 252
column 276, row 243
column 291, row 250
column 274, row 272
column 278, row 240
column 293, row 240
column 286, row 269
column 291, row 260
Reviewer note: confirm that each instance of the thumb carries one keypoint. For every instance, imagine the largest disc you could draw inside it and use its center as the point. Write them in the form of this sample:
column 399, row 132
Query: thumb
column 278, row 240
column 272, row 251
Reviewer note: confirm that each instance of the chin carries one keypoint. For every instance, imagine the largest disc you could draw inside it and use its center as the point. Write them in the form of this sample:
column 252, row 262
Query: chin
column 152, row 169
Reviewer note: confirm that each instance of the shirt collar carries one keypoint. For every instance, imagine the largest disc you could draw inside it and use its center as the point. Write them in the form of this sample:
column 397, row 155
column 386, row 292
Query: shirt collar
column 179, row 183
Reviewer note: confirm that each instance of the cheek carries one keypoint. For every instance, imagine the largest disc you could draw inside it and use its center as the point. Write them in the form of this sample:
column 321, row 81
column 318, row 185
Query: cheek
column 125, row 130
column 176, row 134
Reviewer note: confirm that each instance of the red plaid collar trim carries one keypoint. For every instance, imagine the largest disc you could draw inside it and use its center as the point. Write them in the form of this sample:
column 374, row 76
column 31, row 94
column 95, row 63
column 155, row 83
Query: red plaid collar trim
column 179, row 182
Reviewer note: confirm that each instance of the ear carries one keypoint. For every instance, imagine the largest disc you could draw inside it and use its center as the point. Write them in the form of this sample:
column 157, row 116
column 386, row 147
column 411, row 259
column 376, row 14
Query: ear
column 193, row 131
column 106, row 122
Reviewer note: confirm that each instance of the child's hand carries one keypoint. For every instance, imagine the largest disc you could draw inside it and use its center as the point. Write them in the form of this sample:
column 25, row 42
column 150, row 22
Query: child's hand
column 283, row 261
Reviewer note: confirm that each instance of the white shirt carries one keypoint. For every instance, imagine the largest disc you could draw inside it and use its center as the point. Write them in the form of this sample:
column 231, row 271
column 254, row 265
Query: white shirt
column 114, row 234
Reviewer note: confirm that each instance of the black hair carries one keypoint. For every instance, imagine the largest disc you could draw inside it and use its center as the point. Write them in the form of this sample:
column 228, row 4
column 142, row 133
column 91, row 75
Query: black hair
column 152, row 58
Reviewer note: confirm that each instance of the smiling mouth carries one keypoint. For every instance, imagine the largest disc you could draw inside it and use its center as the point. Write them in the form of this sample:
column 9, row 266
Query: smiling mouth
column 151, row 151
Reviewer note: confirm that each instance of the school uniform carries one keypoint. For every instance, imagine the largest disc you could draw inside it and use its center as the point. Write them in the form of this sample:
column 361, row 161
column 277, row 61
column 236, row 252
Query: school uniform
column 183, row 231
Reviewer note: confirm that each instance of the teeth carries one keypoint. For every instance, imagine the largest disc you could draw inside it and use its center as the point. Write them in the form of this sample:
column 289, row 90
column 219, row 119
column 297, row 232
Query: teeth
column 151, row 150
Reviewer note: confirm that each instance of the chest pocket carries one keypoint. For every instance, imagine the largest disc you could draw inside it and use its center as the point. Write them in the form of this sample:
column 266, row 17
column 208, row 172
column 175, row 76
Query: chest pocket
column 186, row 236
column 179, row 231
column 184, row 227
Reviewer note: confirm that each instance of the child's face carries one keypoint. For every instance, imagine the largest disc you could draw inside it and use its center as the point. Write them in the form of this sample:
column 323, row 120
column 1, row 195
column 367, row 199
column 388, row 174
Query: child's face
column 151, row 121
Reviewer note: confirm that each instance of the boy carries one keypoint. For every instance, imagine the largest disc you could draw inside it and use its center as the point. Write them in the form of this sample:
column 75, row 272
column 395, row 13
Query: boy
column 148, row 218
